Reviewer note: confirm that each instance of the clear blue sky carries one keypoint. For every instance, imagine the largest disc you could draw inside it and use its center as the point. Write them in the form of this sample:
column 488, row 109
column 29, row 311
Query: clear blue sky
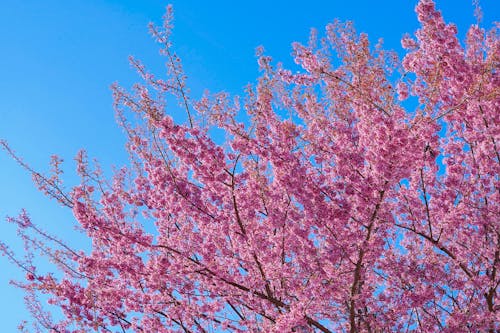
column 58, row 59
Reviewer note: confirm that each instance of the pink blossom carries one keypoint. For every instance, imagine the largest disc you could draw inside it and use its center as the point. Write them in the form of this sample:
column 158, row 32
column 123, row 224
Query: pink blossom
column 332, row 208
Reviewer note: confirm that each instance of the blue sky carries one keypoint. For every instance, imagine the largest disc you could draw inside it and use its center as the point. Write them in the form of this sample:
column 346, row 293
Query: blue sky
column 58, row 59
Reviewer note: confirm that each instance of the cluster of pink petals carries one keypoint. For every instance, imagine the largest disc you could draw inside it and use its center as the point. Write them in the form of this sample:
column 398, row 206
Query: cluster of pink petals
column 348, row 212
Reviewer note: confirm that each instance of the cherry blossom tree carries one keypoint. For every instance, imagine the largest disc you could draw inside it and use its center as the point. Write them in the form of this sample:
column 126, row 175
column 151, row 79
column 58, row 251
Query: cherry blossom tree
column 360, row 194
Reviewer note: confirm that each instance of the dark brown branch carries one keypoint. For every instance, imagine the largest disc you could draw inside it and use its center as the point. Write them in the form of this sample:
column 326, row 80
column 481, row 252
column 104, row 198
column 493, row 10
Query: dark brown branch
column 427, row 211
column 439, row 246
column 336, row 77
column 51, row 188
column 356, row 284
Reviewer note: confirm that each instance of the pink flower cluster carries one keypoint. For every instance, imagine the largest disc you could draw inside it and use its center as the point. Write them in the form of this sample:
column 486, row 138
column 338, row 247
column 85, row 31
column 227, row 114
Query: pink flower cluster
column 349, row 213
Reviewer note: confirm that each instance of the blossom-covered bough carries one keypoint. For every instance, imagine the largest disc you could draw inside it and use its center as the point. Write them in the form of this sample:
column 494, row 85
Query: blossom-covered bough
column 336, row 207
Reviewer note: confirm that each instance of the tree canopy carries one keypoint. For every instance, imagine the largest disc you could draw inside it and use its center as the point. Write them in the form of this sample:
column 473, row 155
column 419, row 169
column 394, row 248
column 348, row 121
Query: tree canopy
column 359, row 194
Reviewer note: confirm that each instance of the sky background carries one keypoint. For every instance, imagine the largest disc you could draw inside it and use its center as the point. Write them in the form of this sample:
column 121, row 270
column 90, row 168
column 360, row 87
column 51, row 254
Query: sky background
column 59, row 58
